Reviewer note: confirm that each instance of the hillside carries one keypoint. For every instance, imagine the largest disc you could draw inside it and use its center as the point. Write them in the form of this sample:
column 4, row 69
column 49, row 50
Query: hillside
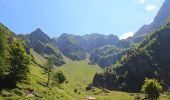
column 96, row 40
column 33, row 85
column 70, row 47
column 78, row 48
column 65, row 91
column 106, row 56
column 149, row 60
column 88, row 51
column 42, row 45
column 31, row 80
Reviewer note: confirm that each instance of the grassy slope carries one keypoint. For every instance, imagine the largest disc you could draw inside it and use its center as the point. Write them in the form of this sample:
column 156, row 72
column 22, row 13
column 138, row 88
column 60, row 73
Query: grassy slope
column 79, row 74
column 38, row 58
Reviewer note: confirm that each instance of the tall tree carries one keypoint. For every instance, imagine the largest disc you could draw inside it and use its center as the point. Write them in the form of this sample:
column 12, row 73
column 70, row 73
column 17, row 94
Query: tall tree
column 3, row 55
column 49, row 67
column 19, row 61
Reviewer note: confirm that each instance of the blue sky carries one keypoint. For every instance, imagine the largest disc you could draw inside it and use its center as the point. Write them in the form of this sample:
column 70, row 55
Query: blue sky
column 78, row 17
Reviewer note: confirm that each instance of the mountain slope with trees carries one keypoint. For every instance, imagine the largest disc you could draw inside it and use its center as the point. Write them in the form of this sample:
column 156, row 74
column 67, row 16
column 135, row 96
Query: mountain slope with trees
column 150, row 60
column 42, row 44
column 106, row 56
column 70, row 46
column 77, row 47
column 161, row 18
column 14, row 59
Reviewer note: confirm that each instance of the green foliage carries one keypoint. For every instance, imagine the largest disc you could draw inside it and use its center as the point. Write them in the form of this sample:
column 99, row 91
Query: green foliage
column 5, row 93
column 150, row 59
column 95, row 40
column 75, row 90
column 43, row 45
column 168, row 22
column 76, row 47
column 19, row 62
column 5, row 40
column 106, row 56
column 70, row 47
column 123, row 44
column 59, row 77
column 152, row 88
column 4, row 53
column 48, row 69
column 14, row 59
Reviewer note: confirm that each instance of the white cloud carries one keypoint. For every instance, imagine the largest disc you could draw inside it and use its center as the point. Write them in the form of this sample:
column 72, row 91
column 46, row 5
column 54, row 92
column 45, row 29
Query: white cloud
column 142, row 1
column 139, row 1
column 150, row 8
column 126, row 35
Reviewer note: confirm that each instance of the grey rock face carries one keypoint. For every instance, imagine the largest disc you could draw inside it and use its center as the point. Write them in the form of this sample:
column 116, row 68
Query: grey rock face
column 161, row 18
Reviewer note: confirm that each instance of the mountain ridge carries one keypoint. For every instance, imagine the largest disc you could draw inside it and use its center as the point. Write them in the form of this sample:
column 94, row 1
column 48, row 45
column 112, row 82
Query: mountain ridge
column 149, row 60
column 41, row 43
column 160, row 19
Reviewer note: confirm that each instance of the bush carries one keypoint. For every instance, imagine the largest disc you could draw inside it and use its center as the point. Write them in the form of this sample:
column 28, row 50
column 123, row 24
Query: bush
column 59, row 77
column 18, row 92
column 152, row 88
column 168, row 92
column 75, row 90
column 5, row 93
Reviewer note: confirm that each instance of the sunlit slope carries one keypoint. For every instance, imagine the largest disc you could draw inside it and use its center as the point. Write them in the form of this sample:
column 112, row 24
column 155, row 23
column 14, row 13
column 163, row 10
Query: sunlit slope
column 79, row 74
column 38, row 58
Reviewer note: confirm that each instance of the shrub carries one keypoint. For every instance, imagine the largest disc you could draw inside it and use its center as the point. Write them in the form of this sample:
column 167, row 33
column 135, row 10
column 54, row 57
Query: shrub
column 5, row 93
column 152, row 88
column 18, row 92
column 59, row 76
column 75, row 90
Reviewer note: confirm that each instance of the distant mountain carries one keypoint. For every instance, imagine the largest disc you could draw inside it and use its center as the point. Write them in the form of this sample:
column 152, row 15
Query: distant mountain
column 95, row 40
column 42, row 44
column 149, row 60
column 76, row 47
column 70, row 46
column 160, row 19
column 124, row 44
column 106, row 56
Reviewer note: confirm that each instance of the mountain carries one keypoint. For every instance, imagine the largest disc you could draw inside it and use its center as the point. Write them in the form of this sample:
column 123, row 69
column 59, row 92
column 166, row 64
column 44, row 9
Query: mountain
column 35, row 88
column 42, row 44
column 95, row 40
column 149, row 60
column 124, row 44
column 160, row 20
column 70, row 46
column 76, row 47
column 106, row 56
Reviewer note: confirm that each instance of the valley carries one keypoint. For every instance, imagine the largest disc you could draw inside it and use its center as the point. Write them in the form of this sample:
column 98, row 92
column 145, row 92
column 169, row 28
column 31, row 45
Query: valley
column 38, row 66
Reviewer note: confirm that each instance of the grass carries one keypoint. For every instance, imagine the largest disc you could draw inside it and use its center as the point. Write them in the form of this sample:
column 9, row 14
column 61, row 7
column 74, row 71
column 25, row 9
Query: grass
column 111, row 95
column 38, row 58
column 78, row 74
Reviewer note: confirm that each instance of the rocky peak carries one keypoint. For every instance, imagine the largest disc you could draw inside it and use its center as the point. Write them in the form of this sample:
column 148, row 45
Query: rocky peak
column 38, row 34
column 162, row 16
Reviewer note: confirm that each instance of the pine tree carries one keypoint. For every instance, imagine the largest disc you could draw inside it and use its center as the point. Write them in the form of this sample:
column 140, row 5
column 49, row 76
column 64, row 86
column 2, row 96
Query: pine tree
column 19, row 61
column 4, row 64
column 48, row 69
